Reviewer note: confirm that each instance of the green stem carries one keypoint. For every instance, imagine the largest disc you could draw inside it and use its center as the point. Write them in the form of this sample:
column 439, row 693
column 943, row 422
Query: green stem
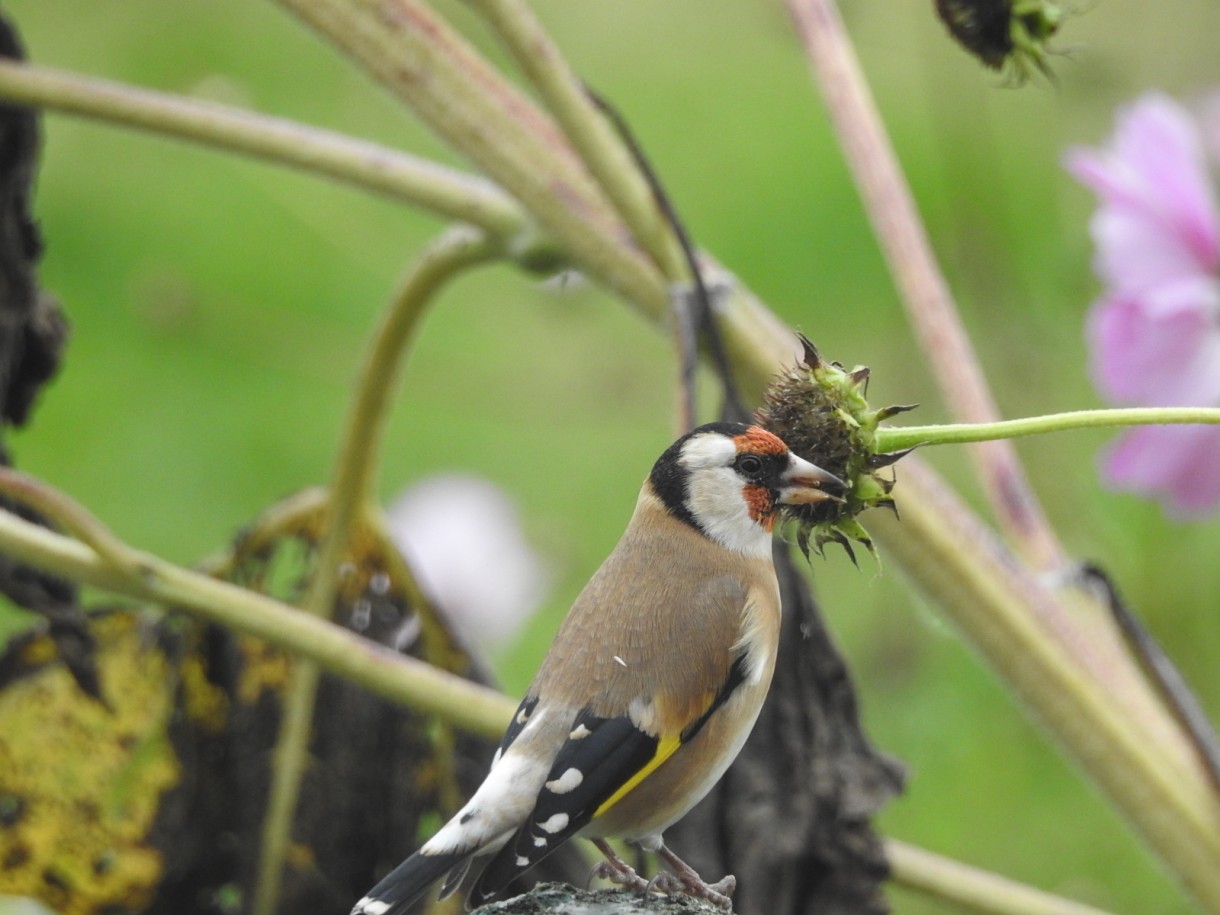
column 72, row 517
column 336, row 650
column 971, row 888
column 446, row 191
column 350, row 491
column 896, row 438
column 356, row 465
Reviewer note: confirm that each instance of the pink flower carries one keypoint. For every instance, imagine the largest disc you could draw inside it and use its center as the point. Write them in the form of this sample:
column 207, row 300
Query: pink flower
column 1154, row 335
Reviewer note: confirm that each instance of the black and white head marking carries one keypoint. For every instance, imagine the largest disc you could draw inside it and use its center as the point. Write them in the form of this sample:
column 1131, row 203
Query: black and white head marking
column 722, row 479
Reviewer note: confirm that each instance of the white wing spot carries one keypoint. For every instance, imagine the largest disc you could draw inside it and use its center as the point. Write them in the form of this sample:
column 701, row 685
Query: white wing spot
column 523, row 861
column 523, row 716
column 580, row 732
column 554, row 823
column 539, row 842
column 370, row 906
column 569, row 781
column 620, row 661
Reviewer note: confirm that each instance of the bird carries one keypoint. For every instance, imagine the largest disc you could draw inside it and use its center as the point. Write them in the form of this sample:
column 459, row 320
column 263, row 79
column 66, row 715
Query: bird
column 650, row 687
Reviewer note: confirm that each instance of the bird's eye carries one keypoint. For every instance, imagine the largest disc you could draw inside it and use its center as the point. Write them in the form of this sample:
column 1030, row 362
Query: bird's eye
column 749, row 464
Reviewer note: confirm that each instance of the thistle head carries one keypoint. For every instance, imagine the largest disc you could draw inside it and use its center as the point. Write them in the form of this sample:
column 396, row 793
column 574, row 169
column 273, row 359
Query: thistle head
column 819, row 409
column 1008, row 35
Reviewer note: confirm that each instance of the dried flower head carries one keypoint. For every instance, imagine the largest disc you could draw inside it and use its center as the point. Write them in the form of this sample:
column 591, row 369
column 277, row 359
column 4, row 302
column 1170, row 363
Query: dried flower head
column 819, row 409
column 1007, row 35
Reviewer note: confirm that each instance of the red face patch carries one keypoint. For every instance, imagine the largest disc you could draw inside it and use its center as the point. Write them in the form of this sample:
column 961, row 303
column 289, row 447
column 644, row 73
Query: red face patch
column 756, row 440
column 761, row 504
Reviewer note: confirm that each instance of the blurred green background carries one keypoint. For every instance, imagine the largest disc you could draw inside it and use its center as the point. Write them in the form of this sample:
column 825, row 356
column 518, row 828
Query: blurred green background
column 220, row 308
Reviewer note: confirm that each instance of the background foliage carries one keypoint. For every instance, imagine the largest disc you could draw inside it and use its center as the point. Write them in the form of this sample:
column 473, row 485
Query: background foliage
column 219, row 308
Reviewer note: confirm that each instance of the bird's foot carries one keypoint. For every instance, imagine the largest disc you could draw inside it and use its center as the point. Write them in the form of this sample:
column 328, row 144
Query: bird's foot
column 685, row 879
column 618, row 871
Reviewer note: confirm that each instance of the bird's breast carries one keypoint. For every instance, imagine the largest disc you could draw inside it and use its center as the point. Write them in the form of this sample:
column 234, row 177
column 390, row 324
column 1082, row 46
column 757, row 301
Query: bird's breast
column 684, row 779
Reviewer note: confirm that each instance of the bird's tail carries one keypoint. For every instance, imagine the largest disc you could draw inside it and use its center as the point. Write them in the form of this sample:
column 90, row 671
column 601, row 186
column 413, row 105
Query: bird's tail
column 410, row 880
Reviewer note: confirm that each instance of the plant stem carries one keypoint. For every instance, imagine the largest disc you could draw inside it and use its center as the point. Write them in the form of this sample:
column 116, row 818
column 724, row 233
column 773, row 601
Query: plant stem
column 446, row 191
column 350, row 491
column 71, row 516
column 356, row 466
column 898, row 437
column 336, row 650
column 930, row 307
column 971, row 888
column 467, row 103
column 998, row 606
column 612, row 164
column 590, row 134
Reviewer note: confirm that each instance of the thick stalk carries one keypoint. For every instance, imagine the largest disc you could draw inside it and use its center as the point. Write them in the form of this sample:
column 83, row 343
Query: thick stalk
column 350, row 491
column 590, row 134
column 611, row 164
column 419, row 58
column 336, row 650
column 972, row 889
column 958, row 563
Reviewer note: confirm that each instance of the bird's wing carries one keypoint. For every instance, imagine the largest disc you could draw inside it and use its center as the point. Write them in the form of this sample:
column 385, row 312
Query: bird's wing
column 602, row 760
column 520, row 719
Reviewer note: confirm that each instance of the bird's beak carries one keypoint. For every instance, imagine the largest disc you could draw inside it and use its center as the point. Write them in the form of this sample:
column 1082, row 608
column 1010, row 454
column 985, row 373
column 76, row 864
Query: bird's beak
column 805, row 483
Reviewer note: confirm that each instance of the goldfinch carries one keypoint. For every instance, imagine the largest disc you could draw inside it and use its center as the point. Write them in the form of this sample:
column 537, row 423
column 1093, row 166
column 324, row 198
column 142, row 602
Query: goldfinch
column 651, row 685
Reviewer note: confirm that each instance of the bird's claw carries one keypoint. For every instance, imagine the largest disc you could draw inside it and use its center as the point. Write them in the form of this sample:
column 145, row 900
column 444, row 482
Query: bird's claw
column 621, row 874
column 684, row 878
column 719, row 893
column 689, row 881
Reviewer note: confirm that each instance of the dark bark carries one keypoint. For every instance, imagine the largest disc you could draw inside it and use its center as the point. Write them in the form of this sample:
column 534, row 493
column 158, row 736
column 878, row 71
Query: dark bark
column 33, row 332
column 381, row 777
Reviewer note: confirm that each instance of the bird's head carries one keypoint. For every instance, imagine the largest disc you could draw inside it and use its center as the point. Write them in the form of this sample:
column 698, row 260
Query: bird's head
column 728, row 480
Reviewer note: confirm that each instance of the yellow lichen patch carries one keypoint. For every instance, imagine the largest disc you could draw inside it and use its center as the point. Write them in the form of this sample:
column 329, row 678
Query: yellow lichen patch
column 37, row 651
column 205, row 703
column 80, row 785
column 264, row 669
column 376, row 589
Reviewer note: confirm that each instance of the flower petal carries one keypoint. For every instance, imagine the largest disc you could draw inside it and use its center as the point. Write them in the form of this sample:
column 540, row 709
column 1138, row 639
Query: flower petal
column 1162, row 349
column 1153, row 188
column 1135, row 253
column 1177, row 465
